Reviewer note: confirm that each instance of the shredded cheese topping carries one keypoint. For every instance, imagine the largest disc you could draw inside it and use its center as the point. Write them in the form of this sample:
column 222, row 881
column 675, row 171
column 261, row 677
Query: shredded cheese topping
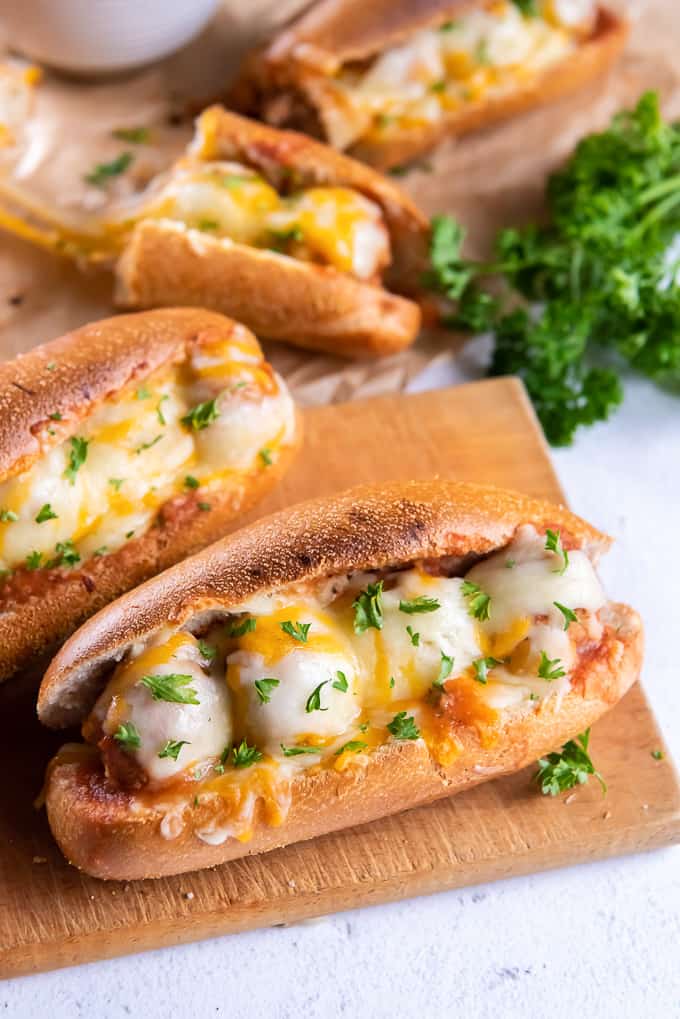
column 321, row 675
column 103, row 486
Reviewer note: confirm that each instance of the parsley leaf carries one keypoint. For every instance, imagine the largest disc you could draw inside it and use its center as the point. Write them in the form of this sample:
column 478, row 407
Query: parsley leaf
column 300, row 749
column 103, row 172
column 173, row 687
column 353, row 746
column 403, row 726
column 266, row 456
column 553, row 543
column 368, row 609
column 481, row 668
column 264, row 687
column 479, row 603
column 240, row 629
column 569, row 614
column 127, row 736
column 133, row 135
column 77, row 457
column 550, row 668
column 444, row 669
column 33, row 560
column 66, row 554
column 8, row 516
column 46, row 513
column 341, row 683
column 314, row 700
column 572, row 766
column 244, row 756
column 190, row 481
column 415, row 637
column 207, row 650
column 172, row 748
column 419, row 604
column 298, row 631
column 202, row 415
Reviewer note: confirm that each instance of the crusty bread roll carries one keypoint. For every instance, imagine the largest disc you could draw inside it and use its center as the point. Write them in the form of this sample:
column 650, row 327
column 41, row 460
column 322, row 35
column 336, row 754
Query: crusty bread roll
column 102, row 484
column 276, row 293
column 293, row 80
column 386, row 680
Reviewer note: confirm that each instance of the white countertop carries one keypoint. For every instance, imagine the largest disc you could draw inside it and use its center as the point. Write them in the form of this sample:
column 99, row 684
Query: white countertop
column 599, row 939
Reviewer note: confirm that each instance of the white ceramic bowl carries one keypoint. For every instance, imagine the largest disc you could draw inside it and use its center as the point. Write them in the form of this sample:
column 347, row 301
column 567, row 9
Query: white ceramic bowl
column 100, row 36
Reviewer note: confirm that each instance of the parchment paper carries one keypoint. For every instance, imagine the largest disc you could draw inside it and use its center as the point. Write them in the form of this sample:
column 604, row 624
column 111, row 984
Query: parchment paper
column 488, row 180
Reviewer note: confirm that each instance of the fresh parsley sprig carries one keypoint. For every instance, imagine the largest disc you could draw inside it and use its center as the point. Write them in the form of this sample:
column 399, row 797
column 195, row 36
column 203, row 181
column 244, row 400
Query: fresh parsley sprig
column 368, row 612
column 173, row 687
column 479, row 603
column 571, row 766
column 403, row 727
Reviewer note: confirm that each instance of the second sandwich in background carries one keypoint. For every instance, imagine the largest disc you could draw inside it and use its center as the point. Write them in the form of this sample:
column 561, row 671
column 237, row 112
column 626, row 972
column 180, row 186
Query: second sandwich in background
column 125, row 446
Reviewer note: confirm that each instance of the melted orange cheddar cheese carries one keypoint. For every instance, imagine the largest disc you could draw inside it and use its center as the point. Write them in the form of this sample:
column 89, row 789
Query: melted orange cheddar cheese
column 202, row 424
column 482, row 52
column 320, row 677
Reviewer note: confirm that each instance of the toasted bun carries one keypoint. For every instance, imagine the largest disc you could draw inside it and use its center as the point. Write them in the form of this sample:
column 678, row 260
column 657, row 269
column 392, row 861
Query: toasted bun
column 291, row 63
column 96, row 826
column 98, row 832
column 86, row 366
column 278, row 297
column 364, row 528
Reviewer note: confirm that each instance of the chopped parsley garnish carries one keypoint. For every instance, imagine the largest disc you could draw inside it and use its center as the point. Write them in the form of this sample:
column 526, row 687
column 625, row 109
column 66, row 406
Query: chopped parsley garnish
column 236, row 629
column 208, row 224
column 479, row 603
column 550, row 668
column 133, row 135
column 102, row 550
column 66, row 554
column 438, row 86
column 129, row 534
column 207, row 650
column 46, row 513
column 340, row 683
column 191, row 482
column 314, row 700
column 173, row 747
column 244, row 756
column 51, row 366
column 266, row 456
column 353, row 746
column 8, row 516
column 392, row 682
column 234, row 180
column 298, row 631
column 368, row 609
column 403, row 726
column 103, row 172
column 55, row 416
column 148, row 445
column 553, row 543
column 282, row 238
column 159, row 410
column 415, row 637
column 527, row 7
column 127, row 736
column 33, row 560
column 569, row 614
column 572, row 766
column 264, row 688
column 419, row 604
column 77, row 457
column 510, row 564
column 142, row 393
column 658, row 755
column 445, row 667
column 300, row 749
column 173, row 687
column 202, row 415
column 204, row 507
column 448, row 26
column 116, row 483
column 481, row 668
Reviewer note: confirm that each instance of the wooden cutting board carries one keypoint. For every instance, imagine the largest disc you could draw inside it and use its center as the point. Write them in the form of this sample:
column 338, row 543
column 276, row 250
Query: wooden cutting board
column 51, row 916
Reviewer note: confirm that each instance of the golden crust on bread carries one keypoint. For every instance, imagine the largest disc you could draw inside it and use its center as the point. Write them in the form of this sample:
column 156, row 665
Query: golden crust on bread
column 97, row 831
column 313, row 306
column 288, row 77
column 40, row 608
column 370, row 527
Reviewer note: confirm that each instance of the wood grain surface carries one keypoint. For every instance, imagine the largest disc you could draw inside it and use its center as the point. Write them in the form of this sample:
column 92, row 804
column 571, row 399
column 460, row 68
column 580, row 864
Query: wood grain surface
column 51, row 915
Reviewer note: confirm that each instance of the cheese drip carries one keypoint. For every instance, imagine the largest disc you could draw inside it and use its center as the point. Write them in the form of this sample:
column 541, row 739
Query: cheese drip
column 103, row 486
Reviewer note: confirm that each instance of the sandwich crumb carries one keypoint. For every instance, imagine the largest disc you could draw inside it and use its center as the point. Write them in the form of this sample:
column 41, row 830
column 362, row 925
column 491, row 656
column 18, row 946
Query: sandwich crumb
column 39, row 859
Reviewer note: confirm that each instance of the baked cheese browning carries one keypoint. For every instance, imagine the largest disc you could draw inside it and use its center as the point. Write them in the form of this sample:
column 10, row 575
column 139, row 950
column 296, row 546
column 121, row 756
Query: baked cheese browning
column 333, row 226
column 483, row 52
column 189, row 428
column 322, row 675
